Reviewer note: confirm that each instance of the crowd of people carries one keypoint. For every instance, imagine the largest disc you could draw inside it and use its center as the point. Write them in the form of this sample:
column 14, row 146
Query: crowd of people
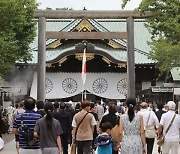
column 117, row 127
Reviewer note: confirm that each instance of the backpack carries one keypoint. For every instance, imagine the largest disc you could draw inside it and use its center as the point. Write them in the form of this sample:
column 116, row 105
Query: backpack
column 27, row 133
column 104, row 143
column 4, row 126
column 104, row 140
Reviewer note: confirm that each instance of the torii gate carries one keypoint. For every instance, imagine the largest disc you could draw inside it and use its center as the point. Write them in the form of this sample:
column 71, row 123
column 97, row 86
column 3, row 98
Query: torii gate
column 84, row 14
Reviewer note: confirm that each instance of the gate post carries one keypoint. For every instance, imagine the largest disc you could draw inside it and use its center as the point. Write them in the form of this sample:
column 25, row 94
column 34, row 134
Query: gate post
column 41, row 59
column 130, row 59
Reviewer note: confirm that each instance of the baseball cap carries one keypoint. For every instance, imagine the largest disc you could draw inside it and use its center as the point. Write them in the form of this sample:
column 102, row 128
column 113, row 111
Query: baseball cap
column 171, row 105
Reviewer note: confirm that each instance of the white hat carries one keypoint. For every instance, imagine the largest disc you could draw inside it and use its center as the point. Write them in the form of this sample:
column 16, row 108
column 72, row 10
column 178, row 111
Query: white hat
column 171, row 105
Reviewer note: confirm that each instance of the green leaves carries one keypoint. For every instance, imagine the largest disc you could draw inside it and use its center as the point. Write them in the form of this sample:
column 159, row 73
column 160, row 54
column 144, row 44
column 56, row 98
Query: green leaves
column 166, row 53
column 165, row 29
column 17, row 31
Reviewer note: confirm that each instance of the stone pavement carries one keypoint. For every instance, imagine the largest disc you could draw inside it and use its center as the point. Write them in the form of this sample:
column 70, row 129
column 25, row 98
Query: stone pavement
column 10, row 146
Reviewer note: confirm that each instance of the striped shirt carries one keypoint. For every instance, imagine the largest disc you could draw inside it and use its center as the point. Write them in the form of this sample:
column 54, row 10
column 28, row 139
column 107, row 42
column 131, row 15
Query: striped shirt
column 29, row 119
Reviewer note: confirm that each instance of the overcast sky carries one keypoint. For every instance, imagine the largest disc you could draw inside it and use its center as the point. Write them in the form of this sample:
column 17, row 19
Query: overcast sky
column 88, row 4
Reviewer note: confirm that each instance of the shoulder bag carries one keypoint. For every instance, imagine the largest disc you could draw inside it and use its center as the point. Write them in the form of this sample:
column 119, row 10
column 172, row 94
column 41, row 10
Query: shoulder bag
column 73, row 146
column 160, row 140
column 150, row 131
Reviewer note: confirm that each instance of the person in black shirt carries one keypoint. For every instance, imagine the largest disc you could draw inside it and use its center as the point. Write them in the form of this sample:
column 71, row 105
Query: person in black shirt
column 40, row 108
column 65, row 120
column 160, row 111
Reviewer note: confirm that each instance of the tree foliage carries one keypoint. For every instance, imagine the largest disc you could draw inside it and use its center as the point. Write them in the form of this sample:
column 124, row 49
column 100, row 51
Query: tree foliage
column 17, row 31
column 165, row 29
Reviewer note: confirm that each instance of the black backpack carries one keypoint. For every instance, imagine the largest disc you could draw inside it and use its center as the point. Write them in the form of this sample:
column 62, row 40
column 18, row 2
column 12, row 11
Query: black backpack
column 27, row 133
column 4, row 126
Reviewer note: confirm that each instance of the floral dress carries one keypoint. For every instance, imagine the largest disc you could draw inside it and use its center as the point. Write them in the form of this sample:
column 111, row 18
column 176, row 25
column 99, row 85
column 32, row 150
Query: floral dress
column 131, row 140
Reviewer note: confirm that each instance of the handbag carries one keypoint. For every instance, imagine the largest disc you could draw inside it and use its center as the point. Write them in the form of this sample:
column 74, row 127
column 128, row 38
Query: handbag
column 150, row 131
column 160, row 140
column 73, row 145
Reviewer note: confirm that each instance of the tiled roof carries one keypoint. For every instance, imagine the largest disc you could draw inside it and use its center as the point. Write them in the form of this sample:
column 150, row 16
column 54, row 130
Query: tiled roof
column 141, row 56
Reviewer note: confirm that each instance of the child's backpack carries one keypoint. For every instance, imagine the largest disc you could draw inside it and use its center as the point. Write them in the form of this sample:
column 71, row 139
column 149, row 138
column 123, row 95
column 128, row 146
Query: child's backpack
column 104, row 140
column 104, row 143
column 27, row 133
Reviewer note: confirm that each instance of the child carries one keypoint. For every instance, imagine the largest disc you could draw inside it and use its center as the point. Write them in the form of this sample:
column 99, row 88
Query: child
column 104, row 141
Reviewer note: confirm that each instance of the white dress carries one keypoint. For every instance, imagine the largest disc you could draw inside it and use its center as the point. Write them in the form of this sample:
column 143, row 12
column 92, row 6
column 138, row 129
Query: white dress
column 131, row 140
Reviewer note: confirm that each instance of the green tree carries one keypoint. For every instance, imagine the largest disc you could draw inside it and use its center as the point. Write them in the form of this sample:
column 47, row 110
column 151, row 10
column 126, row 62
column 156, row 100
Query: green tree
column 17, row 31
column 165, row 29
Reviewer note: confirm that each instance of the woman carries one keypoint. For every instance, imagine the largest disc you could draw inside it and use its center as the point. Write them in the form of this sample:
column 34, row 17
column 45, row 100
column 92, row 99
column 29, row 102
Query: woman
column 132, row 131
column 49, row 130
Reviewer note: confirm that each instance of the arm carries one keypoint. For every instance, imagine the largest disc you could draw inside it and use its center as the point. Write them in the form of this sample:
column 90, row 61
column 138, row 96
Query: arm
column 97, row 127
column 160, row 128
column 59, row 144
column 15, row 131
column 120, row 129
column 142, row 134
column 73, row 134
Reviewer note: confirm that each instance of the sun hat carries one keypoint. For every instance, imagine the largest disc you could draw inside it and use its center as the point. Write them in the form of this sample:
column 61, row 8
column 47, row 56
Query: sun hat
column 171, row 105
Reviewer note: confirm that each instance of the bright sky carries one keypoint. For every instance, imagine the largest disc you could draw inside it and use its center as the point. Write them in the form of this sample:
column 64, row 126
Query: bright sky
column 88, row 4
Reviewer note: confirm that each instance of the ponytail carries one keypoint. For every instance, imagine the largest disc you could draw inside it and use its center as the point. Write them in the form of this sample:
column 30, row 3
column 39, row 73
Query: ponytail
column 131, row 113
column 131, row 103
column 49, row 119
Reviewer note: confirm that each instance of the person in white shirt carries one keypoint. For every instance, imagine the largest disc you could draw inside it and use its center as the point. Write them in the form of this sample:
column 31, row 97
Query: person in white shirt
column 100, row 111
column 149, row 118
column 172, row 138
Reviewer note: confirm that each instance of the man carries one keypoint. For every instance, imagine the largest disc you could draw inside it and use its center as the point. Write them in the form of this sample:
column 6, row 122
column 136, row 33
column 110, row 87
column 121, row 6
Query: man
column 100, row 110
column 149, row 118
column 85, row 130
column 160, row 112
column 172, row 138
column 40, row 108
column 65, row 120
column 29, row 119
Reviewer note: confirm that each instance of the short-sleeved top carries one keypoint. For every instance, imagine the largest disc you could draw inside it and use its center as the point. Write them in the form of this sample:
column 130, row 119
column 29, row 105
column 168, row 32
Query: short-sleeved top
column 29, row 119
column 173, row 133
column 84, row 132
column 111, row 118
column 48, row 137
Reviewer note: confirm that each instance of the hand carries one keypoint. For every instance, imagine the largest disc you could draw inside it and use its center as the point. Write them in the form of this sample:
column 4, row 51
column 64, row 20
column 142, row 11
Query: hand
column 60, row 151
column 144, row 150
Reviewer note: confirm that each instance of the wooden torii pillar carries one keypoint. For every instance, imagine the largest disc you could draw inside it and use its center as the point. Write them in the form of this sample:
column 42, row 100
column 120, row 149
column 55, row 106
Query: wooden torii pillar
column 84, row 14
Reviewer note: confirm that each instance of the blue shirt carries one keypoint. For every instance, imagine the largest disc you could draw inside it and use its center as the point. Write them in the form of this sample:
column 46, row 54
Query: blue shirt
column 29, row 119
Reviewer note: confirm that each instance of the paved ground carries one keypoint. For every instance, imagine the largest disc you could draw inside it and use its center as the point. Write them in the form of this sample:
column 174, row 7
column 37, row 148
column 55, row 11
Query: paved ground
column 10, row 145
